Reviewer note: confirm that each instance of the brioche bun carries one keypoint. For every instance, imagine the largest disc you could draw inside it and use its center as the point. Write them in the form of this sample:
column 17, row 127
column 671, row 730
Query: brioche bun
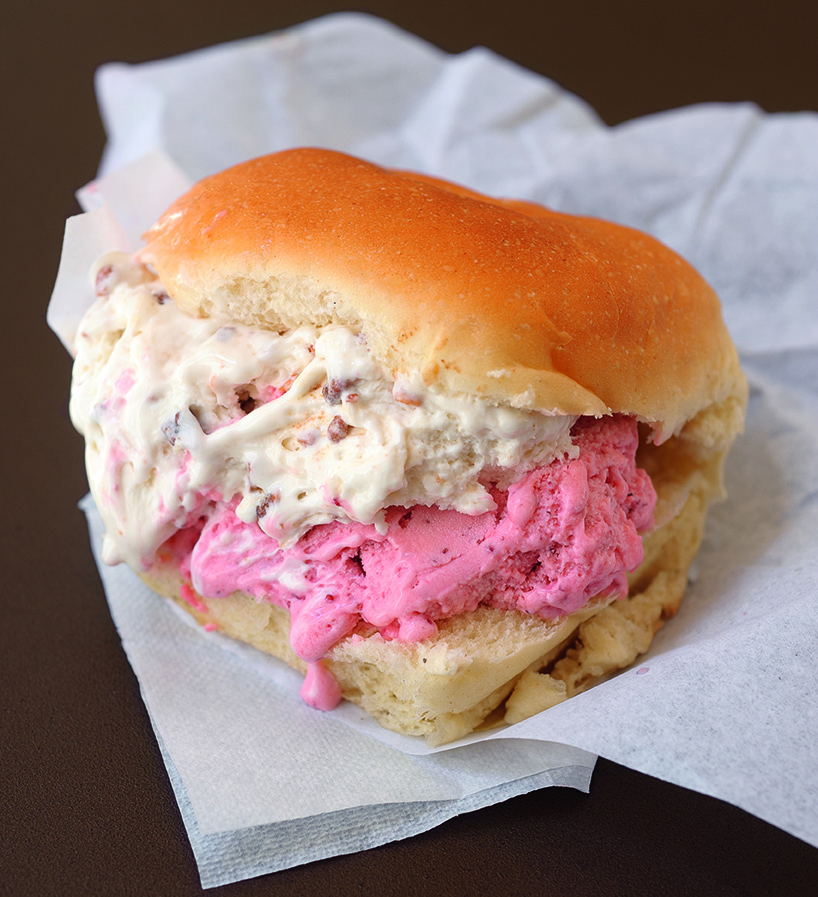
column 497, row 299
column 501, row 299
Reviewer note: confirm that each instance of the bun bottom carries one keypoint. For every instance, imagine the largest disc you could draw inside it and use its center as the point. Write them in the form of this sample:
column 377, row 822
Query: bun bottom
column 491, row 666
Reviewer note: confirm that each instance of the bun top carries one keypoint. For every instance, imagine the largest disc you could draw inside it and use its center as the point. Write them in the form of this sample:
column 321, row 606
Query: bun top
column 501, row 299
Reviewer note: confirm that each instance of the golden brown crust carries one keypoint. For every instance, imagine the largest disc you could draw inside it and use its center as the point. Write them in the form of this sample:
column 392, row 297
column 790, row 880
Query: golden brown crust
column 498, row 298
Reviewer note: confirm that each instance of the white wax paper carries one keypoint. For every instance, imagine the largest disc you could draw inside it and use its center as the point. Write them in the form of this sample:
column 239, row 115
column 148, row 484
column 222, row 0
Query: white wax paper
column 725, row 701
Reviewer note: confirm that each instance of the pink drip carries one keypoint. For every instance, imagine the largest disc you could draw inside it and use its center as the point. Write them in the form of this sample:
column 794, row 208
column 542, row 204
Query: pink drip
column 320, row 689
column 187, row 593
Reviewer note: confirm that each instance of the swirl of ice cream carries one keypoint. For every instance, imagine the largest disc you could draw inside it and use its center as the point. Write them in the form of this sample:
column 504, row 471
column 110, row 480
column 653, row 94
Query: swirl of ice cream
column 560, row 535
column 301, row 427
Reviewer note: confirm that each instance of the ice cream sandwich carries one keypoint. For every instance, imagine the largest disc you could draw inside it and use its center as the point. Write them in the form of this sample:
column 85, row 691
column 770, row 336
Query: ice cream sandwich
column 449, row 456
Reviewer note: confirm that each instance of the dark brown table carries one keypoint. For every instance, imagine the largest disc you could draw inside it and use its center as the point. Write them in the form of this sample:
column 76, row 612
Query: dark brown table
column 85, row 804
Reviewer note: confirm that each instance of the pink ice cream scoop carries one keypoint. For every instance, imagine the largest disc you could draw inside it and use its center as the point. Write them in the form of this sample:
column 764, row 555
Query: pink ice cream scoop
column 558, row 536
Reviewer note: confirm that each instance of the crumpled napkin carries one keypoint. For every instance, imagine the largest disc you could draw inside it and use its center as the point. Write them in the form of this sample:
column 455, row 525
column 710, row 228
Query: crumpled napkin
column 724, row 701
